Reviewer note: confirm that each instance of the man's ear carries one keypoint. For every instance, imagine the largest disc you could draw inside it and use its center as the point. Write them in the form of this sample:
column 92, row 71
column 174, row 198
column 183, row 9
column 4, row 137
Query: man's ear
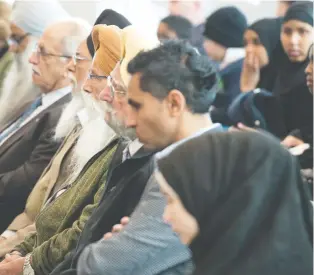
column 176, row 103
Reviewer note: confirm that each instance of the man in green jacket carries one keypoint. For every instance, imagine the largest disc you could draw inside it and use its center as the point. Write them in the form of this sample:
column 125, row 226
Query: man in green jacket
column 64, row 215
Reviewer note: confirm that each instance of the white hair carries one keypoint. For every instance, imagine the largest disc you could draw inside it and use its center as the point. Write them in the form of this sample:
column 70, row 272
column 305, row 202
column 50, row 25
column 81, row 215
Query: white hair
column 78, row 30
column 18, row 89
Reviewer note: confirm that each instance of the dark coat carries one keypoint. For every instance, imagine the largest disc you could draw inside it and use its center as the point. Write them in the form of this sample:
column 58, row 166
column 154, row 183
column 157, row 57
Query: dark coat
column 231, row 89
column 125, row 184
column 23, row 157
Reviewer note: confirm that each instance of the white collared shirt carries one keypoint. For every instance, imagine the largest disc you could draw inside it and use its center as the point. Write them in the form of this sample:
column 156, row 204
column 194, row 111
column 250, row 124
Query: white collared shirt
column 132, row 149
column 47, row 100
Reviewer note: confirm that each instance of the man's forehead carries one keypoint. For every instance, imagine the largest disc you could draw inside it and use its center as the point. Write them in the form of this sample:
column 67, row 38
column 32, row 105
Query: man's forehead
column 116, row 74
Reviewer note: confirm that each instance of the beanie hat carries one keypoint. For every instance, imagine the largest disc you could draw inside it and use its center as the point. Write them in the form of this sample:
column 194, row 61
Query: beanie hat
column 107, row 17
column 107, row 41
column 301, row 11
column 226, row 27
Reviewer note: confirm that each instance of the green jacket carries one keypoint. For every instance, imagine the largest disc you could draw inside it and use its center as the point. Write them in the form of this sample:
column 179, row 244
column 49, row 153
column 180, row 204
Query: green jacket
column 60, row 224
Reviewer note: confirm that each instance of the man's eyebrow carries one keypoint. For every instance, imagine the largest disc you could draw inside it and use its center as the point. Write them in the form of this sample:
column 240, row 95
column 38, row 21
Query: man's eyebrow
column 117, row 86
column 133, row 103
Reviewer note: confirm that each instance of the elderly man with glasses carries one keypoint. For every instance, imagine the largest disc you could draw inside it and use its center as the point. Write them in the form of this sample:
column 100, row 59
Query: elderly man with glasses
column 28, row 21
column 27, row 145
column 64, row 214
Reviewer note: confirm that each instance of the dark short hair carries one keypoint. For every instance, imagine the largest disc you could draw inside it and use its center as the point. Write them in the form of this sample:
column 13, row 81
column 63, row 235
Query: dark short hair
column 177, row 65
column 180, row 25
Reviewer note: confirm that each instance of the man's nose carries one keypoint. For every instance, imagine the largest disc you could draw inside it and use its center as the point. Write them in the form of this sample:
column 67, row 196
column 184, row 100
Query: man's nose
column 33, row 59
column 130, row 117
column 105, row 95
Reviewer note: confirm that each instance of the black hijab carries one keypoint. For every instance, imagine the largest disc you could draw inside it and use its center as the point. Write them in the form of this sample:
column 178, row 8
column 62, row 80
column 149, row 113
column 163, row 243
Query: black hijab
column 253, row 210
column 268, row 31
column 107, row 17
column 292, row 74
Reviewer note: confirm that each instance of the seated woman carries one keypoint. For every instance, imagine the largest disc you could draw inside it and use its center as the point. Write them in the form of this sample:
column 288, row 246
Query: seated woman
column 297, row 102
column 239, row 202
column 263, row 53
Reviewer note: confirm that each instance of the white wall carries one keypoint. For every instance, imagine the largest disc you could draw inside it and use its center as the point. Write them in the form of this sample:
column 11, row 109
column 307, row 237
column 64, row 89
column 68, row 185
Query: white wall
column 146, row 14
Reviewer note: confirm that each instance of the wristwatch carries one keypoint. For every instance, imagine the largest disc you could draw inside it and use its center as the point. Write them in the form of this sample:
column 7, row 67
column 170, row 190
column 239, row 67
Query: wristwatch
column 27, row 268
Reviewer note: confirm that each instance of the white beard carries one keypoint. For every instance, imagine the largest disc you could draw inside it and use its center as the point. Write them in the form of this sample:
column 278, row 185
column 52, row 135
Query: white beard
column 95, row 135
column 18, row 88
column 68, row 119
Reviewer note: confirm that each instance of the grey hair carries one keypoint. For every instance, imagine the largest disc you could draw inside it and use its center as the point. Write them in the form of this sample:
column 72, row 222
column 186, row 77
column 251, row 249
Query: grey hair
column 79, row 29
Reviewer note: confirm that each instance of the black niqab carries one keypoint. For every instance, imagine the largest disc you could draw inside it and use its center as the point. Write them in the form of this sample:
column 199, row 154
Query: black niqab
column 253, row 209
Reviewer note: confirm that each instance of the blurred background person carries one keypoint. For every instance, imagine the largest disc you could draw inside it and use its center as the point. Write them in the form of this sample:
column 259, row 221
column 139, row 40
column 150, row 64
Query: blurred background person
column 28, row 21
column 174, row 27
column 6, row 57
column 193, row 11
column 283, row 6
column 223, row 43
column 297, row 102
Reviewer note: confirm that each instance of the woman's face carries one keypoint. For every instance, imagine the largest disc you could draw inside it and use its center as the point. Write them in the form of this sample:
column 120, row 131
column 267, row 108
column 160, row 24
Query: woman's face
column 175, row 214
column 296, row 39
column 254, row 47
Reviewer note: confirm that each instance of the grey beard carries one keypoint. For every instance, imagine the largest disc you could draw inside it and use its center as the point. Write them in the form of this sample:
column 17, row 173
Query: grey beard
column 116, row 125
column 18, row 89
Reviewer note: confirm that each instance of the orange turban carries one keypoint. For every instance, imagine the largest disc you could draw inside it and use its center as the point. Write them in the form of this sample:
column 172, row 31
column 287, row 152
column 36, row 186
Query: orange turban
column 107, row 42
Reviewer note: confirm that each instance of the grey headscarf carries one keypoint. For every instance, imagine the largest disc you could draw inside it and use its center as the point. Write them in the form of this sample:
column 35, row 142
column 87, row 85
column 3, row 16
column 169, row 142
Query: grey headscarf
column 34, row 16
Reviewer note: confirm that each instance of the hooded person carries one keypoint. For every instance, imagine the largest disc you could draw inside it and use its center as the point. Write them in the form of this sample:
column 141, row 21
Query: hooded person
column 264, row 53
column 290, row 85
column 28, row 21
column 233, row 198
column 65, row 213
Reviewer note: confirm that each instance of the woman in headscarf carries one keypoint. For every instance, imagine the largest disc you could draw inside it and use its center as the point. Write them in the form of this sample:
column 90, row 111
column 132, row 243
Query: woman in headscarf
column 238, row 200
column 263, row 53
column 297, row 102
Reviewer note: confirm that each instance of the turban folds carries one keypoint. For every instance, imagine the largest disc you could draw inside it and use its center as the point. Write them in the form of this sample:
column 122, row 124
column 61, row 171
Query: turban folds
column 107, row 42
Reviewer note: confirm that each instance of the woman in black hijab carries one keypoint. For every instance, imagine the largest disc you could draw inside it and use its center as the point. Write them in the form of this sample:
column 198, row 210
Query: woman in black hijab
column 264, row 52
column 238, row 200
column 296, row 100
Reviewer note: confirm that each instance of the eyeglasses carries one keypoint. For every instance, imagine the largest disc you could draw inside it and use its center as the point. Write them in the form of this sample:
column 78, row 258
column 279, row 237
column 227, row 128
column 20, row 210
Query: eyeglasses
column 41, row 52
column 77, row 58
column 113, row 91
column 17, row 39
column 97, row 77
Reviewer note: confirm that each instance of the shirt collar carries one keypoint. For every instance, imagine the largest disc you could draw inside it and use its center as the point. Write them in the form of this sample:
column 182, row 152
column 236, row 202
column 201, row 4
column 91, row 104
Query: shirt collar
column 134, row 146
column 216, row 127
column 52, row 97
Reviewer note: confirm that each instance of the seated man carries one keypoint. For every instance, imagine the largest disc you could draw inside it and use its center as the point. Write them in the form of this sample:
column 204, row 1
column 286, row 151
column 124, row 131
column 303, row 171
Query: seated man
column 78, row 128
column 57, row 171
column 28, row 21
column 26, row 147
column 63, row 217
column 170, row 97
column 131, row 165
